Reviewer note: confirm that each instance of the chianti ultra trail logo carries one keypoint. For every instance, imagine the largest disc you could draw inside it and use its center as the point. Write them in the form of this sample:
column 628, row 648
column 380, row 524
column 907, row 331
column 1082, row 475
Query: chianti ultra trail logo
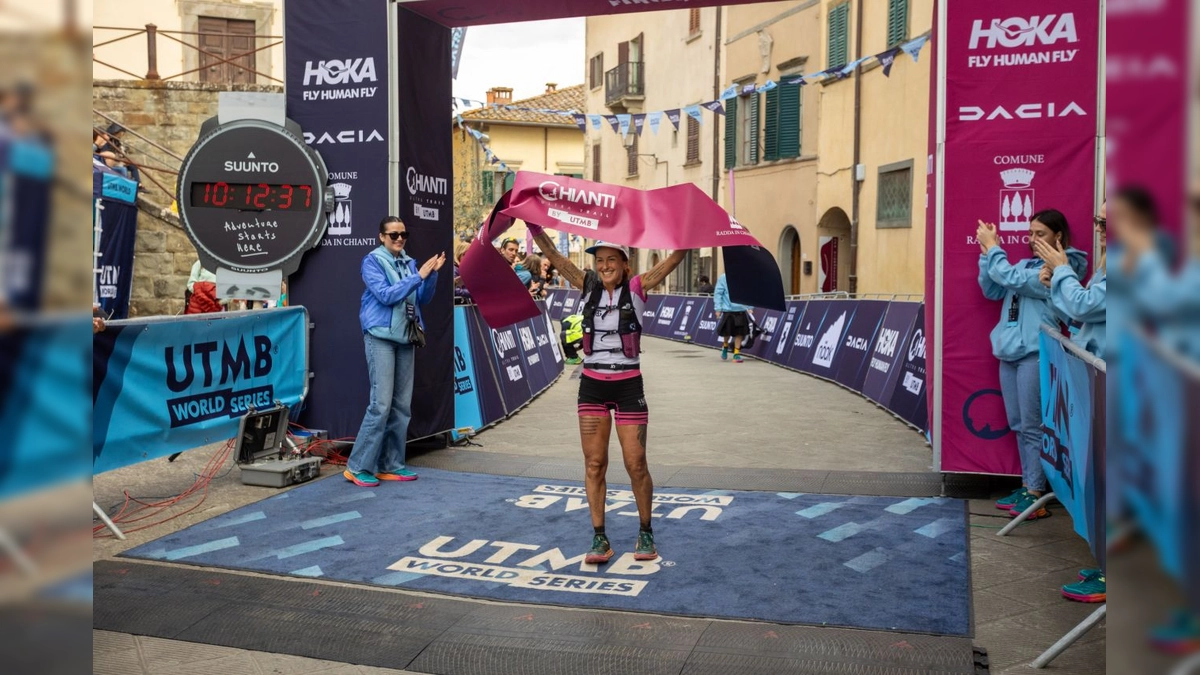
column 546, row 568
column 209, row 371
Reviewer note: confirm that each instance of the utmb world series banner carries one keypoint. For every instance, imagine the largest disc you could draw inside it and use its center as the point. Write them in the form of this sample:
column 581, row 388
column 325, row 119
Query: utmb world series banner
column 1020, row 97
column 161, row 387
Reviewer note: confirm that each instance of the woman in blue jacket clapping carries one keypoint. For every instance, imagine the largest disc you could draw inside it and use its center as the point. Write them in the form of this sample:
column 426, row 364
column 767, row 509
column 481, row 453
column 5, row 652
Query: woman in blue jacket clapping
column 1024, row 308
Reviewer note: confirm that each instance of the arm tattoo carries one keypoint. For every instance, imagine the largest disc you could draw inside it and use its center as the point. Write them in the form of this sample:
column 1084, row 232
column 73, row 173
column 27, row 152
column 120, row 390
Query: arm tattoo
column 660, row 271
column 641, row 434
column 589, row 426
column 565, row 267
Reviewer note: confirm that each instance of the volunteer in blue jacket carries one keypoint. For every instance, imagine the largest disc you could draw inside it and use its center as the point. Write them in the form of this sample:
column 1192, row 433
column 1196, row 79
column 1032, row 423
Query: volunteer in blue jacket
column 1084, row 306
column 390, row 315
column 1024, row 308
column 735, row 320
column 612, row 302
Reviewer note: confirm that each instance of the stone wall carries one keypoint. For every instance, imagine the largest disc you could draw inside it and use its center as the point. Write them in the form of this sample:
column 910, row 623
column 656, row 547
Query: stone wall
column 170, row 115
column 162, row 259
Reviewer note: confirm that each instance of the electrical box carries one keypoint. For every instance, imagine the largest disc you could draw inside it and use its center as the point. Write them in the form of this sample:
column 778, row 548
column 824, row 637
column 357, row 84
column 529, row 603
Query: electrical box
column 260, row 454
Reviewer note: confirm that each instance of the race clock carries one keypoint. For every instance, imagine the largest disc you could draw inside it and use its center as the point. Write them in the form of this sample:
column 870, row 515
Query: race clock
column 252, row 196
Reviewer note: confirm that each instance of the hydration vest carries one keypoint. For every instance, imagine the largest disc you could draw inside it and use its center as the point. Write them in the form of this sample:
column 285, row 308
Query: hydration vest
column 628, row 327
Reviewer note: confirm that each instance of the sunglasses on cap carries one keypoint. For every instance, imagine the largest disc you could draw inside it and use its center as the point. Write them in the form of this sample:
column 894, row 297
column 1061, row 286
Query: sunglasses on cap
column 396, row 235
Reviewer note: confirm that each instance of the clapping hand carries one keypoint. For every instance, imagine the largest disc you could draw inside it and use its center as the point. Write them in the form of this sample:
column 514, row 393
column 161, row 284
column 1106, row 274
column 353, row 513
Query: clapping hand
column 1052, row 255
column 985, row 234
column 432, row 265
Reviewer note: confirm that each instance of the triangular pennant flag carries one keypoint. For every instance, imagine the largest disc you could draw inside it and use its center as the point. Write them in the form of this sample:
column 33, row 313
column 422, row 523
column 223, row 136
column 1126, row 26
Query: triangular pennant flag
column 655, row 120
column 595, row 121
column 799, row 79
column 913, row 47
column 466, row 103
column 673, row 116
column 623, row 124
column 887, row 59
column 694, row 111
column 714, row 106
column 612, row 121
column 768, row 86
column 638, row 121
column 729, row 93
column 748, row 88
column 581, row 122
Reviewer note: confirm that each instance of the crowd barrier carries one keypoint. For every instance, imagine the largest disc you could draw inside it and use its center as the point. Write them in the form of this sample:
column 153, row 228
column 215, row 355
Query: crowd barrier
column 873, row 347
column 497, row 372
column 1073, row 434
column 160, row 386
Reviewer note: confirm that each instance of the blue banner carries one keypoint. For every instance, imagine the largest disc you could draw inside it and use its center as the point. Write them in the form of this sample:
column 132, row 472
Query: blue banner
column 1067, row 431
column 118, row 234
column 687, row 317
column 487, row 383
column 44, row 416
column 888, row 352
column 777, row 333
column 852, row 356
column 908, row 397
column 706, row 327
column 665, row 317
column 768, row 325
column 165, row 386
column 337, row 91
column 467, row 412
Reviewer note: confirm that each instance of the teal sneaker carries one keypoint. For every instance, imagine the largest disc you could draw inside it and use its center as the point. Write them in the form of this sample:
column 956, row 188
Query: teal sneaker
column 601, row 551
column 1006, row 503
column 402, row 474
column 1025, row 502
column 645, row 547
column 724, row 352
column 1180, row 636
column 361, row 478
column 1091, row 588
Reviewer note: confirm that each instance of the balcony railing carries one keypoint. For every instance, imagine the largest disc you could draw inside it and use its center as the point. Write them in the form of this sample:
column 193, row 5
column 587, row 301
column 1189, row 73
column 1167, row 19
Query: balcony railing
column 234, row 67
column 625, row 81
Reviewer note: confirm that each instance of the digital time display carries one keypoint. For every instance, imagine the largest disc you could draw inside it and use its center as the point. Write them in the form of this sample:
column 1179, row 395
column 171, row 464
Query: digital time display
column 252, row 196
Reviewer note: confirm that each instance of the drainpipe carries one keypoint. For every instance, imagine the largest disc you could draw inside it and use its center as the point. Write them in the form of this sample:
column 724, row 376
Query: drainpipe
column 716, row 141
column 857, row 184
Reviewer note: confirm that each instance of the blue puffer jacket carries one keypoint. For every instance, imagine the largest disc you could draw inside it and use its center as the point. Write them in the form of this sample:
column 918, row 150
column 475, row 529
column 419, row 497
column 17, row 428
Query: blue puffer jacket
column 387, row 289
column 1025, row 305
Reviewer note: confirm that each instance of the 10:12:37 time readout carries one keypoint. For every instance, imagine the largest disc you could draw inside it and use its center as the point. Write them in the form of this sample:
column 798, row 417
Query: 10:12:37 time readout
column 252, row 196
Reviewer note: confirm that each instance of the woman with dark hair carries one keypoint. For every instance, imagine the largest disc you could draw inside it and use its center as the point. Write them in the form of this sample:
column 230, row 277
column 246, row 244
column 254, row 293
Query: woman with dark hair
column 612, row 302
column 1084, row 307
column 537, row 282
column 1024, row 308
column 390, row 315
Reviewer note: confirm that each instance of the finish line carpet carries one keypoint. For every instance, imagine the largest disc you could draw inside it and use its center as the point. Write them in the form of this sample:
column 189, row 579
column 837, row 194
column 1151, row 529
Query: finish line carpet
column 865, row 562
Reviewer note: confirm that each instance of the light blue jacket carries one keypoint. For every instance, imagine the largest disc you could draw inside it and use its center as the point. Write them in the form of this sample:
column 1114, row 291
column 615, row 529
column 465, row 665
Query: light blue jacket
column 1085, row 305
column 721, row 301
column 1025, row 300
column 391, row 283
column 1170, row 301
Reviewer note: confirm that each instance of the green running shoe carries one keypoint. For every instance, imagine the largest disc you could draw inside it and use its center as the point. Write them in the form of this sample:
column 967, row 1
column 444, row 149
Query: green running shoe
column 645, row 547
column 601, row 551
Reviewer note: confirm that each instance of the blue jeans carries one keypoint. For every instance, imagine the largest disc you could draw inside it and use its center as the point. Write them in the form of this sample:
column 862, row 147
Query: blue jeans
column 1021, row 384
column 379, row 446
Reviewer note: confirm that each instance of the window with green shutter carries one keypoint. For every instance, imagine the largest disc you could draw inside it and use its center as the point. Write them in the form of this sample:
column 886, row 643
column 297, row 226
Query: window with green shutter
column 897, row 22
column 731, row 120
column 750, row 127
column 783, row 122
column 510, row 179
column 893, row 206
column 487, row 189
column 839, row 36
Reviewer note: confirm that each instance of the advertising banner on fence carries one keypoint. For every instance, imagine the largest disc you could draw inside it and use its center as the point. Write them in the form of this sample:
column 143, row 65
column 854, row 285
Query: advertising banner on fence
column 1020, row 133
column 800, row 355
column 513, row 378
column 43, row 405
column 667, row 316
column 688, row 317
column 889, row 351
column 860, row 338
column 907, row 397
column 781, row 341
column 467, row 412
column 337, row 91
column 161, row 387
column 768, row 323
column 706, row 327
column 571, row 304
column 487, row 383
column 1067, row 431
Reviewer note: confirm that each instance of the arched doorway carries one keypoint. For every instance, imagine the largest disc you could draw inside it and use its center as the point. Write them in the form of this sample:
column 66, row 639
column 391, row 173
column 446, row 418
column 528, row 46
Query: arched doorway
column 790, row 260
column 833, row 251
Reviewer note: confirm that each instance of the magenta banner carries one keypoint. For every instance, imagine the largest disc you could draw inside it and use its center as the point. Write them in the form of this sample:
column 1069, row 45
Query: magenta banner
column 676, row 217
column 1020, row 136
column 1146, row 76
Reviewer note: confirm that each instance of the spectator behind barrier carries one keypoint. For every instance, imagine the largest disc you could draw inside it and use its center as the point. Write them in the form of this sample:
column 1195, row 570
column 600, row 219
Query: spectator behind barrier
column 461, row 295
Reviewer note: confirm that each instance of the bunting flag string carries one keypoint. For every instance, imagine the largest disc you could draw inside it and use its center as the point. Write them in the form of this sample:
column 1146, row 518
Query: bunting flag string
column 622, row 124
column 487, row 152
